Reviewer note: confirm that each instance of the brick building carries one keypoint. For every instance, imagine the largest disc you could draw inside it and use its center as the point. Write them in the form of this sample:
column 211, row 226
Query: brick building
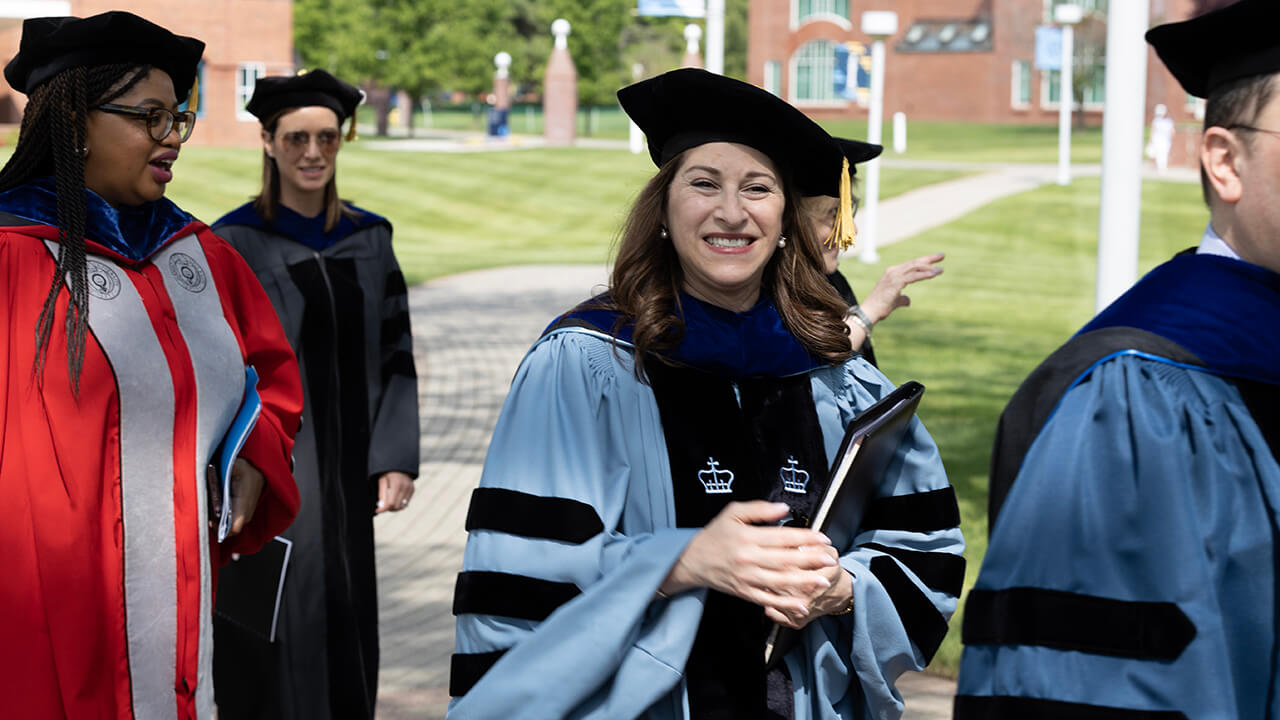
column 244, row 40
column 950, row 60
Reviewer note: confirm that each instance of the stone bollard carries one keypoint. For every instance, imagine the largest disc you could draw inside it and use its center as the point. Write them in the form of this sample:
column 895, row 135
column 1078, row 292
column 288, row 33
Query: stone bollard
column 560, row 91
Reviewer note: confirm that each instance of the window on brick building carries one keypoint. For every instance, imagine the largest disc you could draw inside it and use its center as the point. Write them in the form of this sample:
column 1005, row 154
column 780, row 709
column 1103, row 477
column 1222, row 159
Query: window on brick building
column 1051, row 90
column 773, row 77
column 802, row 10
column 1020, row 84
column 247, row 75
column 814, row 67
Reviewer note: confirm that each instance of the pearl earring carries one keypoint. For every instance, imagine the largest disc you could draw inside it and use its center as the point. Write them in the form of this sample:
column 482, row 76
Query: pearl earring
column 782, row 241
column 662, row 233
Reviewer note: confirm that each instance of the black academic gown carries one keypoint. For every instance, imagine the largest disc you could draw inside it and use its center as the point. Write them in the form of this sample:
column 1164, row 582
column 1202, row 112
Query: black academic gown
column 344, row 308
column 841, row 284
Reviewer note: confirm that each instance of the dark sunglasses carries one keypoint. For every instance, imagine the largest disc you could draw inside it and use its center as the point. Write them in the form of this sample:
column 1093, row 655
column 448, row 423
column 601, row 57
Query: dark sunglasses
column 297, row 141
column 160, row 121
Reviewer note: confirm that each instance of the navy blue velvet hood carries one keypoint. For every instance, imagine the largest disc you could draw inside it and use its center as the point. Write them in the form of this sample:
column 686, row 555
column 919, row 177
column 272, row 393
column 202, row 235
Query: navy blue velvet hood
column 1224, row 311
column 307, row 230
column 133, row 232
column 749, row 344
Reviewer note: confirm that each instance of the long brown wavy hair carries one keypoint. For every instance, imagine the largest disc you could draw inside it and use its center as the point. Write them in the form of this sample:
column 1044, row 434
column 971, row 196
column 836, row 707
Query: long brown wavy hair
column 647, row 277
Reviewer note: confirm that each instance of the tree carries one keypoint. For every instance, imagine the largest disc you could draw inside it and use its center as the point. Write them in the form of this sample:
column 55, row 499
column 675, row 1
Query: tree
column 421, row 46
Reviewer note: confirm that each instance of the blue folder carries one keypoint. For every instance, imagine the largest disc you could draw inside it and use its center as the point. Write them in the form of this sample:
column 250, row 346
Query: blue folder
column 225, row 456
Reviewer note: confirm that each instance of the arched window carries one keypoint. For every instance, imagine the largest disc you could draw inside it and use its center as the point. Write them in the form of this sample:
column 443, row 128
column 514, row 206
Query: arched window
column 814, row 64
column 804, row 9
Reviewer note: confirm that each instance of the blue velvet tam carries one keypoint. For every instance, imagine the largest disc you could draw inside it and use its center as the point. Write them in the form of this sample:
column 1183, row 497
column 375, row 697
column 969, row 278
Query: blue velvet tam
column 132, row 232
column 52, row 44
column 1219, row 47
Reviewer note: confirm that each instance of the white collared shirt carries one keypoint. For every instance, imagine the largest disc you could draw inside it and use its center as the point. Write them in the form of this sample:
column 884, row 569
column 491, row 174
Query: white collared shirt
column 1211, row 244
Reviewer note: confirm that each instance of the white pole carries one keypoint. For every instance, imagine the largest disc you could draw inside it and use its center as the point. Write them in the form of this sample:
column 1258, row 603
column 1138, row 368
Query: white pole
column 1119, row 219
column 1065, row 96
column 715, row 36
column 868, row 217
column 636, row 137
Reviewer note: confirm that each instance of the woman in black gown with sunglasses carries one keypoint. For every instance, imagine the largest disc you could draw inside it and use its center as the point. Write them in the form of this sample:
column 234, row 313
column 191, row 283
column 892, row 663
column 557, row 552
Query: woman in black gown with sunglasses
column 330, row 272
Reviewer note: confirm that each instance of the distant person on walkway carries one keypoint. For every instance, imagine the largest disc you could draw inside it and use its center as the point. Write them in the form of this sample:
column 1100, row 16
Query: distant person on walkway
column 1161, row 137
column 824, row 212
column 1132, row 570
column 125, row 330
column 624, row 559
column 330, row 272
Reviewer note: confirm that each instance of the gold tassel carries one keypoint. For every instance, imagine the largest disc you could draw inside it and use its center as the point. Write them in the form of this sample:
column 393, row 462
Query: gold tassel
column 843, row 231
column 351, row 132
column 193, row 98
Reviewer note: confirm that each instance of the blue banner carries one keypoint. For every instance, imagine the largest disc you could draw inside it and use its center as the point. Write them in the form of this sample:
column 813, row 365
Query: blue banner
column 851, row 77
column 1048, row 48
column 677, row 8
column 840, row 74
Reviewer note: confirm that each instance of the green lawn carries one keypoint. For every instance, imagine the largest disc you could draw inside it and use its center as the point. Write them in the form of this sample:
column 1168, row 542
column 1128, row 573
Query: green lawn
column 462, row 211
column 980, row 142
column 1019, row 280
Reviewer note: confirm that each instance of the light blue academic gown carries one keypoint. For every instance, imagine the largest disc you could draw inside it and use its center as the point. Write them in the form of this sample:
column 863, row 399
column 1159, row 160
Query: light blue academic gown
column 1150, row 483
column 578, row 425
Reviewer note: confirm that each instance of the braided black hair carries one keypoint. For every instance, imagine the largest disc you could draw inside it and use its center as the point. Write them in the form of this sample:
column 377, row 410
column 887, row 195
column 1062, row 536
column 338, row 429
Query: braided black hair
column 51, row 141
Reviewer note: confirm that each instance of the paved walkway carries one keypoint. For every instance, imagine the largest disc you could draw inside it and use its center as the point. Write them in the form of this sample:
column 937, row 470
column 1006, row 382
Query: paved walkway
column 470, row 332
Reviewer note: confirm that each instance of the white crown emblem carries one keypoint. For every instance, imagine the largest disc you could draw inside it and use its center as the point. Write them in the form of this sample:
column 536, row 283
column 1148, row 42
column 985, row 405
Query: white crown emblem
column 714, row 480
column 794, row 479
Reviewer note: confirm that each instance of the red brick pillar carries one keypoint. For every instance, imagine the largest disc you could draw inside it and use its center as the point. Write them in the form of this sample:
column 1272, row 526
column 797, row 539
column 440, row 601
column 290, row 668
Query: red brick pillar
column 560, row 91
column 692, row 55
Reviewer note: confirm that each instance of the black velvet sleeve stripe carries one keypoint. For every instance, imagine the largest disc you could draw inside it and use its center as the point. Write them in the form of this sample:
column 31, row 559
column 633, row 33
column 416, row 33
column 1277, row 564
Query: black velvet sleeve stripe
column 399, row 362
column 466, row 669
column 394, row 327
column 395, row 284
column 975, row 707
column 533, row 516
column 917, row 512
column 508, row 595
column 925, row 625
column 943, row 572
column 1070, row 621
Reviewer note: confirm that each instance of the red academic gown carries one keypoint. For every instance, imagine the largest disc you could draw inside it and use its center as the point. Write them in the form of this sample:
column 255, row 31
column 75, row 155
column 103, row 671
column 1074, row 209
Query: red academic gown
column 105, row 550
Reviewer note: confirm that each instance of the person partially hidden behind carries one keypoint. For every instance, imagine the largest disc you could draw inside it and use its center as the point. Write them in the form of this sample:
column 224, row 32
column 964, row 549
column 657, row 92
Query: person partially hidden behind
column 823, row 212
column 1134, row 483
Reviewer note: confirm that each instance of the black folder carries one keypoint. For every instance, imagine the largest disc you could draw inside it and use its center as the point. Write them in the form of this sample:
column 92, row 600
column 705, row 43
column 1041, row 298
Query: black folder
column 869, row 444
column 250, row 587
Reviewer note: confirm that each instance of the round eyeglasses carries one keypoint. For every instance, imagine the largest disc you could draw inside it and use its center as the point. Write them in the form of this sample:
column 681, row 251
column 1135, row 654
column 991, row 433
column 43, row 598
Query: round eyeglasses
column 160, row 121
